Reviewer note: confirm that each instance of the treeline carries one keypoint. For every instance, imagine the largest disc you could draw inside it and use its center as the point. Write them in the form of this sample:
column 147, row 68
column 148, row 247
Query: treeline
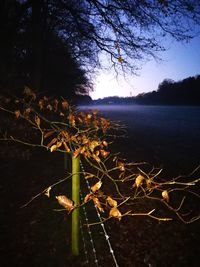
column 169, row 92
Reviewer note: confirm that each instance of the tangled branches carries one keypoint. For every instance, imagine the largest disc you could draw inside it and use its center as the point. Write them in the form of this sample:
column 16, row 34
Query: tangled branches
column 117, row 186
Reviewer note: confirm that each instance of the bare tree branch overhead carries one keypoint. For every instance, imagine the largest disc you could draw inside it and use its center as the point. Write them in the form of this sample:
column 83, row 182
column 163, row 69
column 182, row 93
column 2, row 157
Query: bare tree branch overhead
column 127, row 31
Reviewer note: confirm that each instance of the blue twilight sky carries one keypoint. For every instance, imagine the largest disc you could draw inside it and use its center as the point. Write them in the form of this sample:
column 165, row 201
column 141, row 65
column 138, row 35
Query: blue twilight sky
column 180, row 61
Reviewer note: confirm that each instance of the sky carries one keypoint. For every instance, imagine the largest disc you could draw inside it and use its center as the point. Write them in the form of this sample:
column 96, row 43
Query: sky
column 180, row 61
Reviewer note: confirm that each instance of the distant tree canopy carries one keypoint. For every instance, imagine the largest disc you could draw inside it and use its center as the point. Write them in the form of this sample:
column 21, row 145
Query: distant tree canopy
column 184, row 92
column 67, row 38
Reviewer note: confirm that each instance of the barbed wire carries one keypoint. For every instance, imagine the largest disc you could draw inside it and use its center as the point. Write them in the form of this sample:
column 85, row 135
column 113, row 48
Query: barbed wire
column 102, row 224
column 89, row 233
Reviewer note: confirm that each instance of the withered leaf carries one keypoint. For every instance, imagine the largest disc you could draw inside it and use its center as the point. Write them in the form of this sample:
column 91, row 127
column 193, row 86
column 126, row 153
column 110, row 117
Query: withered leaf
column 65, row 104
column 49, row 133
column 47, row 193
column 66, row 147
column 88, row 176
column 53, row 148
column 165, row 195
column 98, row 204
column 96, row 186
column 111, row 202
column 104, row 153
column 114, row 212
column 139, row 180
column 37, row 120
column 65, row 202
column 88, row 197
column 17, row 114
column 53, row 141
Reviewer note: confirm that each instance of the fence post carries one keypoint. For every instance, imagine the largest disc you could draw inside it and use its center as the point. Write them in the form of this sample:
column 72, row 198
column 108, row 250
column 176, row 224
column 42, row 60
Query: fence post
column 76, row 198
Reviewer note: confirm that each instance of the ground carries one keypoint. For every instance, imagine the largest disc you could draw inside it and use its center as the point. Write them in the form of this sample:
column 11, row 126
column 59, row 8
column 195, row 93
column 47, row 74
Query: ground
column 37, row 235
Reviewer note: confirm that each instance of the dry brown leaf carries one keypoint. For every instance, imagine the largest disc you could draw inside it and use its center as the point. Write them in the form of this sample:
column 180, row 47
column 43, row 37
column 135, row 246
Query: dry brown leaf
column 53, row 148
column 98, row 204
column 104, row 153
column 105, row 143
column 47, row 193
column 65, row 104
column 37, row 120
column 77, row 152
column 66, row 147
column 88, row 197
column 49, row 107
column 49, row 133
column 95, row 157
column 71, row 119
column 96, row 186
column 65, row 202
column 17, row 114
column 114, row 212
column 111, row 202
column 53, row 141
column 93, row 144
column 165, row 195
column 88, row 176
column 139, row 180
column 121, row 166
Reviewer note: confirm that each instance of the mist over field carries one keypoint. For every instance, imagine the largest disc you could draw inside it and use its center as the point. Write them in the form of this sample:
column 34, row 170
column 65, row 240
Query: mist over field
column 167, row 136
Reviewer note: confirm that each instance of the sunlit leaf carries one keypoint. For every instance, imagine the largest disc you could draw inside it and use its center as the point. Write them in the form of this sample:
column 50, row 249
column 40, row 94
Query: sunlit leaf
column 98, row 204
column 165, row 195
column 53, row 141
column 111, row 202
column 114, row 212
column 37, row 120
column 88, row 176
column 71, row 119
column 139, row 180
column 96, row 186
column 17, row 114
column 88, row 197
column 66, row 147
column 49, row 133
column 77, row 152
column 65, row 104
column 93, row 144
column 53, row 148
column 47, row 193
column 67, row 203
column 95, row 157
column 89, row 116
column 121, row 166
column 59, row 144
column 105, row 143
column 49, row 107
column 104, row 153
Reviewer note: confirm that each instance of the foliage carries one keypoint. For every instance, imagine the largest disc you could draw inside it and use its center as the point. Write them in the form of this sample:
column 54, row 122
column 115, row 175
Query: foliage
column 117, row 186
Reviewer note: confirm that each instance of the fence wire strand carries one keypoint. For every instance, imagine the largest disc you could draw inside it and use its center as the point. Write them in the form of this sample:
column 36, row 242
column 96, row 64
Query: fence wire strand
column 102, row 224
